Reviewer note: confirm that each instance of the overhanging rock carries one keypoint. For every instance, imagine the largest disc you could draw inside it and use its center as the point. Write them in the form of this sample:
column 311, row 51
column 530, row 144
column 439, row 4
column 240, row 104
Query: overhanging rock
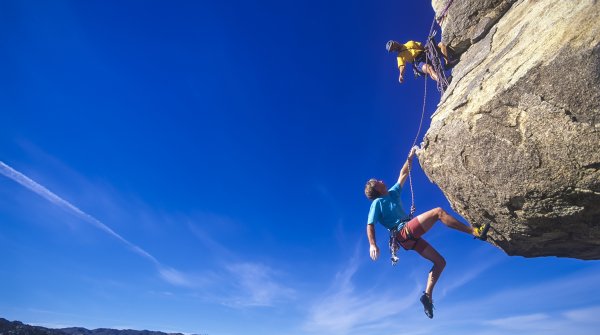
column 515, row 140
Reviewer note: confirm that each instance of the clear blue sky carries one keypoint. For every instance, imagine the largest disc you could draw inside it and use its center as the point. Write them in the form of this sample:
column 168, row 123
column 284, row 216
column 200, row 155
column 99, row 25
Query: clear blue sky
column 198, row 166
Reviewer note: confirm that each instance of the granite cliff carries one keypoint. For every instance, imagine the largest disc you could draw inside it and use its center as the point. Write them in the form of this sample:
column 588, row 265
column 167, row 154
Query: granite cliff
column 515, row 140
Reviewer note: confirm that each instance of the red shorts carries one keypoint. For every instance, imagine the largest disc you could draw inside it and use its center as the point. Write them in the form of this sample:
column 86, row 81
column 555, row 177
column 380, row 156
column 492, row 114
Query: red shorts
column 413, row 228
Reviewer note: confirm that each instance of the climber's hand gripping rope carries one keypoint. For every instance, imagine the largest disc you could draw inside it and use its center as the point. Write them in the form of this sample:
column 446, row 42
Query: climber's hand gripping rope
column 412, row 152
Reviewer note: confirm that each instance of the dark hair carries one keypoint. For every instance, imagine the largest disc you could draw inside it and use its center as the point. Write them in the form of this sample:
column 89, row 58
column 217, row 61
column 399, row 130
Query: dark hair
column 370, row 190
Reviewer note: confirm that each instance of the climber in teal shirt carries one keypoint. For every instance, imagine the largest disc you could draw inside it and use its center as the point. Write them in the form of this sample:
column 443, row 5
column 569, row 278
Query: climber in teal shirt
column 387, row 209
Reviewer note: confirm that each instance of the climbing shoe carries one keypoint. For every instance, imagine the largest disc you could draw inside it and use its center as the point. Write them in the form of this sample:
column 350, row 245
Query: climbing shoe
column 480, row 233
column 451, row 63
column 427, row 305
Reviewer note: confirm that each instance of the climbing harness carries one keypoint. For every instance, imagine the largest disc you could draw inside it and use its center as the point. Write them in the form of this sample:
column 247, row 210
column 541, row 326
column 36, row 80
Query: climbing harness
column 416, row 71
column 396, row 241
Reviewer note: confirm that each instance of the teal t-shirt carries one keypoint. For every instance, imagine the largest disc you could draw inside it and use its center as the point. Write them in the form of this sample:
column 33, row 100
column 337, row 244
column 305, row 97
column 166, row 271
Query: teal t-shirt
column 388, row 209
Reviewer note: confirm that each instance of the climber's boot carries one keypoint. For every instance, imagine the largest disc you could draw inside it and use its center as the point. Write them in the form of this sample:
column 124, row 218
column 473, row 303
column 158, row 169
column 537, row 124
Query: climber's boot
column 480, row 232
column 427, row 305
column 451, row 63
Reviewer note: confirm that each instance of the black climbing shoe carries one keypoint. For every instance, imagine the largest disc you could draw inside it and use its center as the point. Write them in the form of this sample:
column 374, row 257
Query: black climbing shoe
column 480, row 233
column 451, row 63
column 427, row 305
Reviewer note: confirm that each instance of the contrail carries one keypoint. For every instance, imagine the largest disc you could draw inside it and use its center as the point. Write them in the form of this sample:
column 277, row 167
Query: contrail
column 167, row 273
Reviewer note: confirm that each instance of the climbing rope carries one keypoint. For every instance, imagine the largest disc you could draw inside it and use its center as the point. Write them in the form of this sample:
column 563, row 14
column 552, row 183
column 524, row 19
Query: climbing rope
column 413, row 208
column 432, row 55
column 442, row 16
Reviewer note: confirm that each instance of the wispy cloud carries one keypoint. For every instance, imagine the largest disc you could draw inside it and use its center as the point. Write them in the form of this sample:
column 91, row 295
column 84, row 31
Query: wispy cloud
column 173, row 276
column 239, row 284
column 555, row 293
column 520, row 322
column 168, row 274
column 534, row 308
column 585, row 315
column 580, row 321
column 345, row 310
column 255, row 285
column 213, row 246
column 242, row 284
column 468, row 274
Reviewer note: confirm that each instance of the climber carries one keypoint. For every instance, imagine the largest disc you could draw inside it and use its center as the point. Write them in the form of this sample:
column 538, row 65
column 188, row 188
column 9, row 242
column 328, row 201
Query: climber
column 414, row 52
column 387, row 209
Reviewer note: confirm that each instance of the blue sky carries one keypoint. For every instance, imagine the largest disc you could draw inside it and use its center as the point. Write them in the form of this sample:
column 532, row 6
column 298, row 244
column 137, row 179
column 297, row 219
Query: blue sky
column 198, row 166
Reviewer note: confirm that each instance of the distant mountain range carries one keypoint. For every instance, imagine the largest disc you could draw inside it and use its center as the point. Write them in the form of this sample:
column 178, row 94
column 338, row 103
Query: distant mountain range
column 19, row 328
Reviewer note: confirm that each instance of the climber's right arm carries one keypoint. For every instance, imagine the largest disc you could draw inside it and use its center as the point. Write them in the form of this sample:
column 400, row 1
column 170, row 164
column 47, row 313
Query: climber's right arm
column 373, row 248
column 401, row 68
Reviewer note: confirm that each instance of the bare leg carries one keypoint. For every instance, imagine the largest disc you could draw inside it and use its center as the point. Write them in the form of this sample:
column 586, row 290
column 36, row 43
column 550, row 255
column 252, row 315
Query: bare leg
column 428, row 69
column 448, row 54
column 444, row 51
column 429, row 218
column 438, row 266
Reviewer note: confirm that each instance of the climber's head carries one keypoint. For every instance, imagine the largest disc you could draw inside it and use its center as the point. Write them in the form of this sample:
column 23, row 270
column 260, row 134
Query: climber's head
column 392, row 46
column 375, row 189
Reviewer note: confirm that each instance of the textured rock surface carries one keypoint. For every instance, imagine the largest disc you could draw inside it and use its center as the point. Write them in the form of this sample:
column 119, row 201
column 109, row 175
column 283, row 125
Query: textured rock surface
column 516, row 137
column 467, row 21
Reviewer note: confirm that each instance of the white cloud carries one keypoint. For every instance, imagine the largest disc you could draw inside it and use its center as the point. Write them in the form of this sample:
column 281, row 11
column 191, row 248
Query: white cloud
column 453, row 281
column 170, row 275
column 255, row 284
column 585, row 315
column 215, row 248
column 579, row 321
column 538, row 308
column 174, row 277
column 520, row 322
column 345, row 310
column 350, row 307
column 239, row 284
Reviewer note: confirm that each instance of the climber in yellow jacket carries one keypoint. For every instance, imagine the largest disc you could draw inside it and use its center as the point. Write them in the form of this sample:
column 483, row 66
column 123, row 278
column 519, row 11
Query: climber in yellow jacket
column 414, row 52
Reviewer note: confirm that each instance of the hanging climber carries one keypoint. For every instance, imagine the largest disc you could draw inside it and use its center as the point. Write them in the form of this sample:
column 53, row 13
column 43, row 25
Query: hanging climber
column 387, row 209
column 414, row 53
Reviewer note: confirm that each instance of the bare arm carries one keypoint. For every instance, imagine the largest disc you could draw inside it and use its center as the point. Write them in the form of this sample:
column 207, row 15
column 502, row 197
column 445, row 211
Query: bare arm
column 401, row 78
column 373, row 248
column 406, row 167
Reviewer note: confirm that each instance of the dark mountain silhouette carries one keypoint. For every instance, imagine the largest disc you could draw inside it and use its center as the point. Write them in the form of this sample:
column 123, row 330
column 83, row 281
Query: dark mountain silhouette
column 19, row 328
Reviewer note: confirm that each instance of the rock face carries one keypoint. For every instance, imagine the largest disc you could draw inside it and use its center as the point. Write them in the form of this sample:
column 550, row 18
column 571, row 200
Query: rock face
column 515, row 140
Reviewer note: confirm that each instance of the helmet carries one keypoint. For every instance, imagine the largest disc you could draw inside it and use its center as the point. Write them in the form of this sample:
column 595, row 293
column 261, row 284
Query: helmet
column 389, row 44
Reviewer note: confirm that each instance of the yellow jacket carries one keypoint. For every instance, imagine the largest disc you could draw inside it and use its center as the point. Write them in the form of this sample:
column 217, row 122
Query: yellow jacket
column 409, row 52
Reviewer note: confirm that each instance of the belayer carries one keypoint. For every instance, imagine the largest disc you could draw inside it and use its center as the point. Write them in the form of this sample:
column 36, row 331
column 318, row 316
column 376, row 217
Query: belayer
column 387, row 209
column 414, row 53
